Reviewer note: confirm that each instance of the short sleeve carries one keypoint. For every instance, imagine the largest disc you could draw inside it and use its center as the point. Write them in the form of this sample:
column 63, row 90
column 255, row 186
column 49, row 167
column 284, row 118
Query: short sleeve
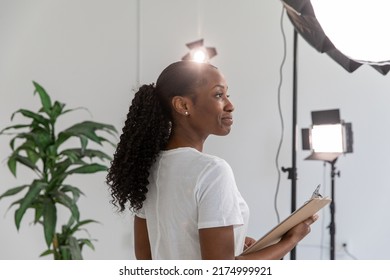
column 218, row 197
column 141, row 213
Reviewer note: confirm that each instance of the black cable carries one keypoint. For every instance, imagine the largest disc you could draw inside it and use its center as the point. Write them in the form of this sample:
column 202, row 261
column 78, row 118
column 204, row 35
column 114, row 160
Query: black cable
column 348, row 253
column 280, row 114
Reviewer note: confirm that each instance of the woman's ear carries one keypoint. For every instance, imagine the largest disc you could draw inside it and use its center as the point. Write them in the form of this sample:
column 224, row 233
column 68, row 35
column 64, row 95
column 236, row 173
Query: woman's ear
column 180, row 105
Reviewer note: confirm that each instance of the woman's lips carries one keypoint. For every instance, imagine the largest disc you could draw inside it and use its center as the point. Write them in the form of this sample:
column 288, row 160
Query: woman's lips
column 227, row 120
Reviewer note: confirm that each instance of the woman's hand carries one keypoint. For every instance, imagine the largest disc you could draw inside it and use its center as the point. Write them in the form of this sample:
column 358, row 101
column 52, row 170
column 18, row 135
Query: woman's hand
column 289, row 240
column 249, row 241
column 302, row 229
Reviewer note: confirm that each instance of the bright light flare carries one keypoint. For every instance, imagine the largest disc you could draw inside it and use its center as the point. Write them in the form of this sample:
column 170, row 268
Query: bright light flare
column 357, row 28
column 199, row 56
column 327, row 138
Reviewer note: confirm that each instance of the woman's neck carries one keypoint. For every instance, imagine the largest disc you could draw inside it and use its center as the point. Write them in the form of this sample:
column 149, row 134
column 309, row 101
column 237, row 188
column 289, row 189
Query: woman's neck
column 180, row 140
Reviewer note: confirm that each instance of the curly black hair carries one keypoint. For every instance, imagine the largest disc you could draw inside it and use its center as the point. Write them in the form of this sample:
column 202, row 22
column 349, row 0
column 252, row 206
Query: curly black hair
column 146, row 132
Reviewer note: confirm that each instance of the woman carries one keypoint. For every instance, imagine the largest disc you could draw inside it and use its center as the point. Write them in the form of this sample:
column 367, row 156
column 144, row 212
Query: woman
column 186, row 203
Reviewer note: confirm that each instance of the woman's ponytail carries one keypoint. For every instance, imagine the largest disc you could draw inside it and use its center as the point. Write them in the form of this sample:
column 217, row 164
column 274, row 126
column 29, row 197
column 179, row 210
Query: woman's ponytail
column 144, row 135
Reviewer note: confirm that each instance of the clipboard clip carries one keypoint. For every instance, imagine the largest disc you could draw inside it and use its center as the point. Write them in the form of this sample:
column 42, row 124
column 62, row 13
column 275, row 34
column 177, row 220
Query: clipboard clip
column 316, row 193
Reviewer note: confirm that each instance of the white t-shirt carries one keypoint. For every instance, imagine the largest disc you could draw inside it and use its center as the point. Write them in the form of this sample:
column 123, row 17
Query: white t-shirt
column 190, row 190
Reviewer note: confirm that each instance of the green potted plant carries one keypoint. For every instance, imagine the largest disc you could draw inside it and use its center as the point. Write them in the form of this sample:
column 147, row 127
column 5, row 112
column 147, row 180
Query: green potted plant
column 38, row 146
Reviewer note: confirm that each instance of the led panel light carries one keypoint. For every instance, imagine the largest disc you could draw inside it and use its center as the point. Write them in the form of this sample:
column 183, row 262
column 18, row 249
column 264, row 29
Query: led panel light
column 327, row 138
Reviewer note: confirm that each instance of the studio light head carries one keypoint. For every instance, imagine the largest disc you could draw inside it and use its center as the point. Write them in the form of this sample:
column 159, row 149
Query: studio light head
column 328, row 137
column 199, row 53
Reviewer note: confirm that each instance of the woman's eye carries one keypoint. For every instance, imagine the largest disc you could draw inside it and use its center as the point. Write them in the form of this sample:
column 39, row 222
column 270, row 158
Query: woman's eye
column 221, row 94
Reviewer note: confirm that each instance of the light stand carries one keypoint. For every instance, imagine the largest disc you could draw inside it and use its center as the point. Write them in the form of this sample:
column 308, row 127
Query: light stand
column 328, row 138
column 292, row 171
column 332, row 206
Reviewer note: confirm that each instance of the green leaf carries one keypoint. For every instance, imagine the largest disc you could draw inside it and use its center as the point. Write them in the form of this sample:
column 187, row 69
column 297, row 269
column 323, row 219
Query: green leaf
column 28, row 148
column 56, row 111
column 51, row 157
column 29, row 198
column 84, row 143
column 56, row 181
column 65, row 200
column 27, row 136
column 96, row 153
column 18, row 126
column 49, row 220
column 87, row 129
column 67, row 228
column 38, row 138
column 45, row 98
column 46, row 253
column 79, row 153
column 73, row 155
column 26, row 162
column 13, row 191
column 93, row 126
column 75, row 191
column 12, row 165
column 61, row 167
column 86, row 242
column 81, row 223
column 88, row 168
column 38, row 212
column 33, row 156
column 42, row 138
column 74, row 248
column 15, row 203
column 62, row 138
column 36, row 117
column 64, row 253
column 27, row 145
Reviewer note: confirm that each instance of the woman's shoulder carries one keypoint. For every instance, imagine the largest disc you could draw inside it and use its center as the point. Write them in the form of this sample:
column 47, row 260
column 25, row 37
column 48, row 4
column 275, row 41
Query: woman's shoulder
column 196, row 157
column 212, row 163
column 207, row 159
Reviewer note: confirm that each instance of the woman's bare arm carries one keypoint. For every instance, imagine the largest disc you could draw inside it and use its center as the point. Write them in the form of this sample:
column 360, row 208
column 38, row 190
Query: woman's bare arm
column 141, row 239
column 218, row 243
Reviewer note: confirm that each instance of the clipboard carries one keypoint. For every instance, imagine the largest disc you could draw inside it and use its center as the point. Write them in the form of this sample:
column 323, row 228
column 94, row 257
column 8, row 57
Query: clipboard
column 308, row 209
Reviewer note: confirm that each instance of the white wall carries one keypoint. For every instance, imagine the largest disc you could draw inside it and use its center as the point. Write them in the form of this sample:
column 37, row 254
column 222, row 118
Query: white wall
column 85, row 54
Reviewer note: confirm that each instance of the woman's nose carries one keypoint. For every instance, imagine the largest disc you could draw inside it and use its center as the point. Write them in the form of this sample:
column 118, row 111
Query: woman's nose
column 229, row 106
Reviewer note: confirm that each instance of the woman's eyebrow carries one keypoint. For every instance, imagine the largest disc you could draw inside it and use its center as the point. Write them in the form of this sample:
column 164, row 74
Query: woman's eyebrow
column 220, row 86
